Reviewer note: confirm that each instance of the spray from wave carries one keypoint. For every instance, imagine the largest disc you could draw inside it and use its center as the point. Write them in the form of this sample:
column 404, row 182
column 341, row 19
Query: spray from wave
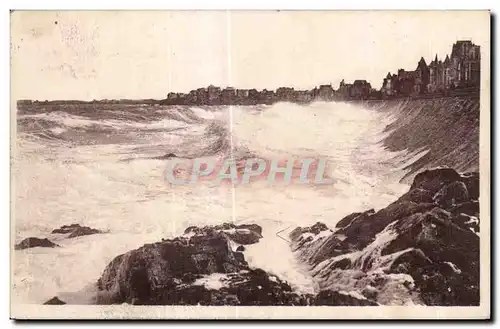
column 104, row 167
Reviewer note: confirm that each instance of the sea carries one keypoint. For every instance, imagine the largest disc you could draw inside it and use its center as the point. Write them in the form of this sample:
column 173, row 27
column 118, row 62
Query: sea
column 104, row 166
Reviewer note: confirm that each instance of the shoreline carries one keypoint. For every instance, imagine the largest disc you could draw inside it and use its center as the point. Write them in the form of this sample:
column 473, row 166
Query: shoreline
column 245, row 102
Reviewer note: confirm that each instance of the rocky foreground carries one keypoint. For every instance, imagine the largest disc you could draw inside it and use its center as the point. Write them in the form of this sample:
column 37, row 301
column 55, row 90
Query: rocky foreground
column 421, row 249
column 202, row 267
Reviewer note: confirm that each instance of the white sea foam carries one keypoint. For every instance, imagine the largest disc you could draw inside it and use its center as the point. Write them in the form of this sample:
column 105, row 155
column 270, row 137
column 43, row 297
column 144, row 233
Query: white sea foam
column 58, row 183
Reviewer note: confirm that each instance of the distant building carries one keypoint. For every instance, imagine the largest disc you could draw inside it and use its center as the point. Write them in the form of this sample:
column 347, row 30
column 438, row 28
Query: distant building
column 406, row 82
column 422, row 77
column 466, row 61
column 268, row 96
column 242, row 93
column 303, row 96
column 360, row 89
column 460, row 70
column 285, row 93
column 344, row 90
column 172, row 96
column 390, row 85
column 437, row 76
column 228, row 95
column 214, row 94
column 325, row 92
column 24, row 102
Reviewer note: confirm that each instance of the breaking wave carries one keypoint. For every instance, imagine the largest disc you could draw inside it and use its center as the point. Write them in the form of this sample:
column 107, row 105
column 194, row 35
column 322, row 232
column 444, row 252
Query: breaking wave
column 103, row 166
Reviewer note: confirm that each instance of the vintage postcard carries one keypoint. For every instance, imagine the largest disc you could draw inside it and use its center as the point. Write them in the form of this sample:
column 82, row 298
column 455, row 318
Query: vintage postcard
column 250, row 165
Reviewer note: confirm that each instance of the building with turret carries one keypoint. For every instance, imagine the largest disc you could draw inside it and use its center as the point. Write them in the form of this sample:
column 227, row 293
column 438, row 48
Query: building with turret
column 460, row 70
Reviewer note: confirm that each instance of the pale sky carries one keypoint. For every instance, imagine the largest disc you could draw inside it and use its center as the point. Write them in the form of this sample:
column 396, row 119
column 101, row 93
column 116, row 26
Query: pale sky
column 147, row 54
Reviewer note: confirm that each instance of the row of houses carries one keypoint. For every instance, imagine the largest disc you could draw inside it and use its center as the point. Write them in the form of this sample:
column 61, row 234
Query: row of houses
column 212, row 95
column 461, row 70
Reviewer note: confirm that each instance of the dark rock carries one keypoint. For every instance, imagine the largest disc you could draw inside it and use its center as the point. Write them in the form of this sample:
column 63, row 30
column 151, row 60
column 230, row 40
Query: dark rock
column 440, row 285
column 35, row 242
column 417, row 195
column 467, row 222
column 252, row 227
column 437, row 236
column 335, row 298
column 165, row 156
column 240, row 248
column 349, row 218
column 314, row 229
column 358, row 234
column 172, row 273
column 413, row 258
column 241, row 234
column 343, row 264
column 190, row 277
column 429, row 233
column 141, row 274
column 318, row 228
column 192, row 229
column 363, row 230
column 76, row 230
column 370, row 292
column 452, row 194
column 148, row 274
column 66, row 229
column 297, row 232
column 440, row 241
column 83, row 231
column 471, row 180
column 244, row 236
column 470, row 208
column 433, row 180
column 240, row 257
column 54, row 301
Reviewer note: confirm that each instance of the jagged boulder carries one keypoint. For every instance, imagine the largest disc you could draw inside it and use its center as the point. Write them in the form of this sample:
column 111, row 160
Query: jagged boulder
column 470, row 208
column 426, row 240
column 452, row 194
column 433, row 180
column 347, row 220
column 76, row 230
column 362, row 230
column 417, row 195
column 144, row 275
column 471, row 180
column 247, row 287
column 252, row 227
column 35, row 242
column 191, row 270
column 241, row 234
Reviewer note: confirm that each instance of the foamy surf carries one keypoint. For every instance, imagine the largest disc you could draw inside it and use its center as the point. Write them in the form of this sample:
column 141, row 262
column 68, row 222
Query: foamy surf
column 82, row 177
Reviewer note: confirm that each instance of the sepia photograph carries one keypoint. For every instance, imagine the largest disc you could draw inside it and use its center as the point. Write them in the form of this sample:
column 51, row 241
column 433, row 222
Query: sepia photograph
column 250, row 164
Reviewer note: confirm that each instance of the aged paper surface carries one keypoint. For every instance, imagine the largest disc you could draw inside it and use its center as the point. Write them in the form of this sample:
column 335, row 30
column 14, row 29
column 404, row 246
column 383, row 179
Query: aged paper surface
column 250, row 165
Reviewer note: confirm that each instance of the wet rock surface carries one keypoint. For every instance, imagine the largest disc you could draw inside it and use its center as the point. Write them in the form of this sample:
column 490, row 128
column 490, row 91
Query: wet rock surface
column 424, row 247
column 35, row 242
column 76, row 230
column 241, row 234
column 200, row 268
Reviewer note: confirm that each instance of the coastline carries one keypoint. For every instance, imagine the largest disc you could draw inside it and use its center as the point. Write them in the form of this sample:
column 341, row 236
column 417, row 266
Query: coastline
column 246, row 102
